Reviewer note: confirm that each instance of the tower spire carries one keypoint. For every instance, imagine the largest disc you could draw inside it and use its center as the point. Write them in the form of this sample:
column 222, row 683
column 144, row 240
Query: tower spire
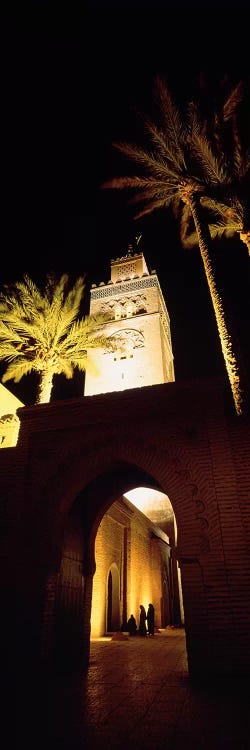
column 137, row 319
column 133, row 245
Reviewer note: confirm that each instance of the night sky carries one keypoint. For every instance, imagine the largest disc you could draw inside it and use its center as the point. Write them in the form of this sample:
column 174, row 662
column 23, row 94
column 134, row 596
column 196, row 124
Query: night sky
column 73, row 76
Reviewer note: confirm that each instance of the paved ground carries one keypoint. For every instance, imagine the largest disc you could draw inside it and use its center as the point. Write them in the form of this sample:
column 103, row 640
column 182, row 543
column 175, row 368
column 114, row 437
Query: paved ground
column 137, row 695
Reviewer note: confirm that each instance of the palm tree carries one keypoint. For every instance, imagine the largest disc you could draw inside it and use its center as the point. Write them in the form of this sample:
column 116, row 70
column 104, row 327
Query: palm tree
column 178, row 166
column 40, row 331
column 228, row 211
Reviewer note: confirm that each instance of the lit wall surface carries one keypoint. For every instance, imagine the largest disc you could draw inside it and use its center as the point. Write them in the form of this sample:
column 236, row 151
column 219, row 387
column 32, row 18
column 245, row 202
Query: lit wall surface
column 137, row 325
column 128, row 551
column 9, row 422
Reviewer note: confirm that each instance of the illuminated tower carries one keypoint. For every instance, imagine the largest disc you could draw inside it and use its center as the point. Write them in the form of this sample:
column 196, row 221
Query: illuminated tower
column 136, row 316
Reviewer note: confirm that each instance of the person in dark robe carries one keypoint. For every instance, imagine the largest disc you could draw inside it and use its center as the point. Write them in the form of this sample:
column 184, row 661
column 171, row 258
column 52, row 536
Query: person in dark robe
column 151, row 619
column 142, row 622
column 131, row 625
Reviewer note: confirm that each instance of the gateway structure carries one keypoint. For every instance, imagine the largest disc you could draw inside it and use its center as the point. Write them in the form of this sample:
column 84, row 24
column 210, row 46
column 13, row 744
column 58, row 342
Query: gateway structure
column 138, row 327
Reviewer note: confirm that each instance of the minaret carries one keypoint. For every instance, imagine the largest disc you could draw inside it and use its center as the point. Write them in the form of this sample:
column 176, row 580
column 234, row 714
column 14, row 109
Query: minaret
column 137, row 318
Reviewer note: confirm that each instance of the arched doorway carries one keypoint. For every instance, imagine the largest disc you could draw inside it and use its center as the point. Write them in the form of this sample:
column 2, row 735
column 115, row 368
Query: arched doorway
column 135, row 563
column 92, row 503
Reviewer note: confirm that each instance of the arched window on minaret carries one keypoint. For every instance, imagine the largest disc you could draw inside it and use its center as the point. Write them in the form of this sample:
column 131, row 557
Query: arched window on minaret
column 130, row 309
column 140, row 307
column 118, row 312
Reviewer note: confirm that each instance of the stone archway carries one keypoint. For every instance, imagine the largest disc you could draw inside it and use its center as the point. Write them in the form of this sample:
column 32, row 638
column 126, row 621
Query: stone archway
column 191, row 449
column 116, row 478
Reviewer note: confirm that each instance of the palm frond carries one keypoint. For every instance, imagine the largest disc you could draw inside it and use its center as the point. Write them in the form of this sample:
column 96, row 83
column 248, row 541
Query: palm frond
column 144, row 158
column 9, row 351
column 56, row 288
column 195, row 124
column 231, row 214
column 134, row 182
column 16, row 370
column 217, row 231
column 73, row 298
column 164, row 150
column 154, row 206
column 147, row 196
column 213, row 169
column 173, row 127
column 222, row 230
column 64, row 367
column 234, row 98
column 29, row 295
column 213, row 205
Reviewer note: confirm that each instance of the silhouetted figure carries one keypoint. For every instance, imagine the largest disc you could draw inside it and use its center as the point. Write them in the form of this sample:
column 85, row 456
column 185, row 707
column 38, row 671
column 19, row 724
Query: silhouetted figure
column 142, row 623
column 131, row 625
column 151, row 619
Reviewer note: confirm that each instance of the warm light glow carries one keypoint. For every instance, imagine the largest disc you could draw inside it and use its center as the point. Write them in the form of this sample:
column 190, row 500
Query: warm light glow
column 153, row 504
column 102, row 638
column 9, row 430
column 149, row 501
column 180, row 595
column 132, row 552
column 8, row 403
column 145, row 354
column 9, row 422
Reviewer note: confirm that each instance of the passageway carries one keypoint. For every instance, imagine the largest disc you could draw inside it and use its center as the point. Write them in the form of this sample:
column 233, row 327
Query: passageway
column 137, row 694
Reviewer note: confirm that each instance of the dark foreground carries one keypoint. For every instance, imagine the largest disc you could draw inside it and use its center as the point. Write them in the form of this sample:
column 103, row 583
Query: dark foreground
column 137, row 694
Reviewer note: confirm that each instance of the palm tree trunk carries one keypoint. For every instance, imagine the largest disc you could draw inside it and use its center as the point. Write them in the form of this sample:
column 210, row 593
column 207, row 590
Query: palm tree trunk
column 45, row 387
column 225, row 339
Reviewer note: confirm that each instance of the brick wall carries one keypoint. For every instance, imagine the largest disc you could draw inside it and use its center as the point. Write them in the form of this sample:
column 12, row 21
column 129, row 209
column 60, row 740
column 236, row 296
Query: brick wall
column 180, row 438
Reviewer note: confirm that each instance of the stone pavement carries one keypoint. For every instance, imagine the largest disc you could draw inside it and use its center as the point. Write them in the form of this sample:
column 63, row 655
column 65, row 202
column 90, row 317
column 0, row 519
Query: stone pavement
column 137, row 694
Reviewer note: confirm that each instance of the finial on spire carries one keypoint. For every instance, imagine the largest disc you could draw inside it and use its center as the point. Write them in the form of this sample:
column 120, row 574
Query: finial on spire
column 134, row 244
column 138, row 239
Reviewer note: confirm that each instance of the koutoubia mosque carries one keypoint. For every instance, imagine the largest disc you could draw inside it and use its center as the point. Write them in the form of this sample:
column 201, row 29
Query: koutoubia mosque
column 137, row 492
